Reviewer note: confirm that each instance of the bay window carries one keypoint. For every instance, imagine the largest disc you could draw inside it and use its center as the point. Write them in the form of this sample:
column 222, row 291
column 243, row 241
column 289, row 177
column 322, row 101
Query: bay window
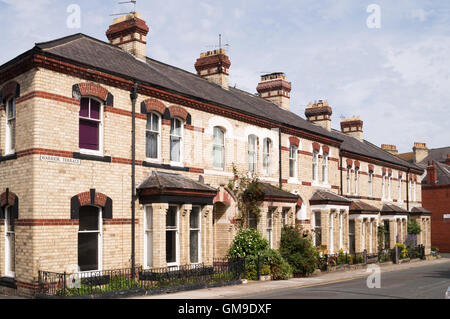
column 148, row 241
column 195, row 235
column 172, row 236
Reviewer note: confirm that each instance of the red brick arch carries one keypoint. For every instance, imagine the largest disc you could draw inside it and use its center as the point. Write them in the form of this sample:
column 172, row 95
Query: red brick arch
column 316, row 147
column 177, row 111
column 154, row 105
column 10, row 89
column 93, row 89
column 91, row 198
column 294, row 141
column 326, row 149
column 9, row 199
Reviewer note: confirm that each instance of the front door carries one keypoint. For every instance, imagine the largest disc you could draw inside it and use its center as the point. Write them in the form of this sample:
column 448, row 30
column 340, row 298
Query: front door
column 10, row 244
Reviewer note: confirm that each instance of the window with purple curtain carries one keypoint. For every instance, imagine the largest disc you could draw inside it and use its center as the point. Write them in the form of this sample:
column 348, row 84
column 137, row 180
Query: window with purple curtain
column 90, row 121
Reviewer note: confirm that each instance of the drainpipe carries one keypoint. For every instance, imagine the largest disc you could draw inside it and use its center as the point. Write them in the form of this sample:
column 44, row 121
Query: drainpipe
column 279, row 157
column 133, row 97
column 340, row 161
column 407, row 189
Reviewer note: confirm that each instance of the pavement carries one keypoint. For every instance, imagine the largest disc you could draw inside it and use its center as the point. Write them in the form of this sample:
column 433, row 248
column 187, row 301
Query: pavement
column 259, row 289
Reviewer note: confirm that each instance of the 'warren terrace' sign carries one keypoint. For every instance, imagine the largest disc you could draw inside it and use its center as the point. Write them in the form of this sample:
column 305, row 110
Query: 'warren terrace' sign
column 59, row 159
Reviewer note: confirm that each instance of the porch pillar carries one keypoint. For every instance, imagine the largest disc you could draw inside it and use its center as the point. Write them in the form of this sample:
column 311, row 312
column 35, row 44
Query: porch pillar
column 185, row 213
column 358, row 235
column 276, row 227
column 207, row 235
column 324, row 219
column 159, row 234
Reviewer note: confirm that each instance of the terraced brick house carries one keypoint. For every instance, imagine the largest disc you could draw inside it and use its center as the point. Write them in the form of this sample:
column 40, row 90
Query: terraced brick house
column 68, row 163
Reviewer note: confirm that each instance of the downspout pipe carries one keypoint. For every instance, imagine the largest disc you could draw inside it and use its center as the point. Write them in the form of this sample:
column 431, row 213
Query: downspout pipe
column 133, row 97
column 407, row 189
column 340, row 161
column 279, row 157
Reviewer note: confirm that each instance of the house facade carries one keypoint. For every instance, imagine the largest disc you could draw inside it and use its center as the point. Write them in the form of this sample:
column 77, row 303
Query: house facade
column 68, row 114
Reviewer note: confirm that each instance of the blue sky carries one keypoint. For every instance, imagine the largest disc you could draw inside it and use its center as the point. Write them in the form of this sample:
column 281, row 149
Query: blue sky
column 397, row 77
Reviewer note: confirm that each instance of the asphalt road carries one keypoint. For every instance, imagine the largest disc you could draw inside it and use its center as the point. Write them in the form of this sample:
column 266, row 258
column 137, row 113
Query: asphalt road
column 428, row 282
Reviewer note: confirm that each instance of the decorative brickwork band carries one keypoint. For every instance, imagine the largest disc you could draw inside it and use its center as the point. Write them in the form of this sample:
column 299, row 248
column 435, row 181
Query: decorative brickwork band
column 153, row 105
column 94, row 90
column 10, row 89
column 316, row 147
column 326, row 149
column 390, row 172
column 9, row 199
column 384, row 170
column 357, row 164
column 294, row 141
column 91, row 198
column 371, row 168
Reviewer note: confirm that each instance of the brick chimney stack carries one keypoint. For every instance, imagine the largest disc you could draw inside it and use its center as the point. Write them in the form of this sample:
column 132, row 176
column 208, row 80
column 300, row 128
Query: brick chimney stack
column 214, row 66
column 390, row 148
column 353, row 127
column 420, row 151
column 431, row 174
column 129, row 33
column 319, row 113
column 274, row 87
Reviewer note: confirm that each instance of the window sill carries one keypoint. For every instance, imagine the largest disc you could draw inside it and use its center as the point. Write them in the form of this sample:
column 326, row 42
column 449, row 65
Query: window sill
column 324, row 185
column 177, row 164
column 8, row 282
column 97, row 158
column 91, row 152
column 294, row 180
column 8, row 157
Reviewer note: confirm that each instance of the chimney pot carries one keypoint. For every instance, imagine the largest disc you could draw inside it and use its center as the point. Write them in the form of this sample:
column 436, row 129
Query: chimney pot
column 274, row 87
column 319, row 113
column 353, row 127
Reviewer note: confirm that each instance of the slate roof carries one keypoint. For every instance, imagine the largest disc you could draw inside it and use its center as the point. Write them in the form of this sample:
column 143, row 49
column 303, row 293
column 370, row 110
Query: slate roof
column 166, row 181
column 360, row 206
column 391, row 209
column 420, row 210
column 272, row 191
column 100, row 55
column 322, row 196
column 443, row 173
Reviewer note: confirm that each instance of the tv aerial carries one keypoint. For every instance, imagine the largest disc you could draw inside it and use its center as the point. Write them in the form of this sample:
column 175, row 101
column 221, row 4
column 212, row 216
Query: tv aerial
column 133, row 2
column 220, row 44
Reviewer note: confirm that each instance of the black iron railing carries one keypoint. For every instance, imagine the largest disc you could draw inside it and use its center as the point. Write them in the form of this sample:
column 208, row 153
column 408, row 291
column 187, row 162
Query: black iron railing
column 119, row 280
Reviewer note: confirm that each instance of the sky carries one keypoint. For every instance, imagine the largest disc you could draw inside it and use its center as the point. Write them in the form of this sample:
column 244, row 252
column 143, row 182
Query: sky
column 395, row 76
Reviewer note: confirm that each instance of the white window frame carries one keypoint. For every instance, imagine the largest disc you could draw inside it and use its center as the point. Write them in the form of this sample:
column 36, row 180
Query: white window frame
column 99, row 241
column 148, row 232
column 370, row 184
column 370, row 236
column 199, row 230
column 341, row 230
column 8, row 132
column 222, row 146
column 158, row 157
column 177, row 238
column 325, row 168
column 315, row 227
column 252, row 155
column 356, row 181
column 8, row 216
column 100, row 127
column 383, row 186
column 363, row 235
column 181, row 137
column 348, row 179
column 267, row 150
column 269, row 227
column 331, row 233
column 399, row 188
column 389, row 180
column 315, row 166
column 294, row 160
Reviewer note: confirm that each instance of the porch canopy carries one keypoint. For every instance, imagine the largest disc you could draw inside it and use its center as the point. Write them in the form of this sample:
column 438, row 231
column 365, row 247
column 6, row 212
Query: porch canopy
column 359, row 207
column 174, row 188
column 390, row 209
column 274, row 194
column 322, row 197
column 417, row 211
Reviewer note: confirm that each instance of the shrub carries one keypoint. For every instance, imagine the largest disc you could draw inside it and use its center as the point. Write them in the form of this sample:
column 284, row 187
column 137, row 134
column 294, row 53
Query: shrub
column 265, row 270
column 298, row 251
column 279, row 267
column 248, row 242
column 403, row 250
column 413, row 227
